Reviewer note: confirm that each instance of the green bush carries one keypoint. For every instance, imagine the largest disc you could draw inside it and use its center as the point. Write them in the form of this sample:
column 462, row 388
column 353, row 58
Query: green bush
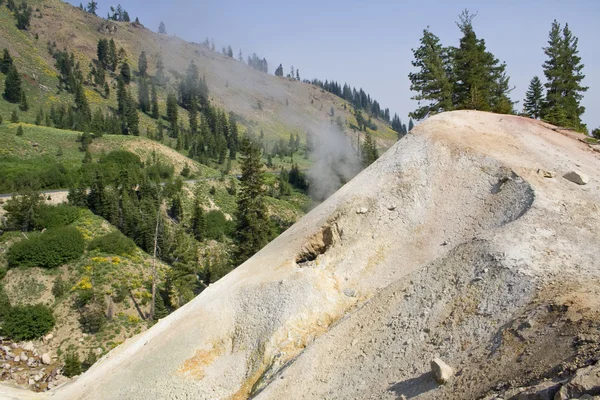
column 72, row 365
column 4, row 304
column 113, row 243
column 50, row 249
column 48, row 217
column 28, row 322
column 92, row 318
column 217, row 225
column 59, row 288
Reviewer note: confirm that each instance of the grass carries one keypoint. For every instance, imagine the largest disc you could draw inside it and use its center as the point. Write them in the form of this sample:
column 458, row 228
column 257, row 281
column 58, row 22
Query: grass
column 41, row 148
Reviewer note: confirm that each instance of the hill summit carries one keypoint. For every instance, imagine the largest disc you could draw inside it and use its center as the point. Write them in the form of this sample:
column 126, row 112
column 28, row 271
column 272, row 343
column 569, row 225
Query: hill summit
column 468, row 243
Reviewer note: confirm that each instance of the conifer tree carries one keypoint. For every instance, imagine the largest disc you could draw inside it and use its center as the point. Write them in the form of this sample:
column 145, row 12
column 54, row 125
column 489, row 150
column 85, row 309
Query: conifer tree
column 253, row 229
column 432, row 81
column 126, row 73
column 198, row 222
column 411, row 125
column 480, row 82
column 369, row 151
column 143, row 95
column 12, row 86
column 14, row 118
column 23, row 105
column 172, row 114
column 143, row 64
column 155, row 111
column 112, row 59
column 20, row 131
column 563, row 71
column 534, row 99
column 6, row 62
column 279, row 71
column 92, row 7
column 162, row 29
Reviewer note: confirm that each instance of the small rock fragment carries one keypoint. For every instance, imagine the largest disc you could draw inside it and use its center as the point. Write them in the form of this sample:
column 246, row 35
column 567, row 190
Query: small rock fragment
column 362, row 210
column 46, row 359
column 577, row 177
column 546, row 174
column 350, row 292
column 442, row 372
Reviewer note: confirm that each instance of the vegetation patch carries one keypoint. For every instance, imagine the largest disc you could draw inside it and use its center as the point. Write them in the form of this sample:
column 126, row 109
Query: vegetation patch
column 49, row 250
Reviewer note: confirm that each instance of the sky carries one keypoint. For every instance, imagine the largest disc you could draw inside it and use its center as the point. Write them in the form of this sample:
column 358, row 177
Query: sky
column 367, row 43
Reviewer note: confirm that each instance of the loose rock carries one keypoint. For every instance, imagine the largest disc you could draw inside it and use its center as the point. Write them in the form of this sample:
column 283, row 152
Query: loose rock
column 577, row 177
column 46, row 359
column 441, row 371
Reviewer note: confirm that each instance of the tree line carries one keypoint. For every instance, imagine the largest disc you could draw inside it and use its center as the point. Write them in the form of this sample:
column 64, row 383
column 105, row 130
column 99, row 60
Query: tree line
column 469, row 76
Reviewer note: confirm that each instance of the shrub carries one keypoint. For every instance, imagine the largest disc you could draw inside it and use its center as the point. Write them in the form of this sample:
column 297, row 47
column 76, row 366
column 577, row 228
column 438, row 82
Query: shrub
column 92, row 318
column 113, row 243
column 72, row 365
column 28, row 322
column 55, row 216
column 51, row 249
column 59, row 288
column 217, row 225
column 4, row 303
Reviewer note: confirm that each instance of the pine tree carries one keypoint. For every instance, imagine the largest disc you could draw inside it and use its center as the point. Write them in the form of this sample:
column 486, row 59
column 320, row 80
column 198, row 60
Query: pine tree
column 92, row 7
column 563, row 71
column 20, row 131
column 126, row 73
column 160, row 310
column 155, row 111
column 432, row 81
column 480, row 82
column 143, row 95
column 369, row 151
column 12, row 86
column 23, row 105
column 162, row 29
column 198, row 222
column 143, row 64
column 6, row 62
column 112, row 59
column 14, row 118
column 279, row 71
column 172, row 114
column 411, row 125
column 534, row 99
column 253, row 229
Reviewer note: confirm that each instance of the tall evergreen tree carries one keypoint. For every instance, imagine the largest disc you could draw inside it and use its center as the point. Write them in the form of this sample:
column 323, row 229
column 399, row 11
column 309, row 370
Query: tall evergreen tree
column 253, row 229
column 172, row 114
column 92, row 7
column 112, row 59
column 369, row 151
column 155, row 111
column 126, row 73
column 143, row 95
column 198, row 222
column 279, row 71
column 432, row 81
column 12, row 85
column 563, row 71
column 6, row 62
column 143, row 64
column 162, row 29
column 480, row 79
column 534, row 99
column 23, row 105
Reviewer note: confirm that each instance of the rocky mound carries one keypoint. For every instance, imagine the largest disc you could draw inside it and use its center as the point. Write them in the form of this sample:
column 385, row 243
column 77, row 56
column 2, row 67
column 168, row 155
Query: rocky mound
column 464, row 244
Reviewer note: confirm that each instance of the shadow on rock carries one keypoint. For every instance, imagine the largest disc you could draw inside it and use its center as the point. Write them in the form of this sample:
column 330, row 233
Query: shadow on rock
column 414, row 386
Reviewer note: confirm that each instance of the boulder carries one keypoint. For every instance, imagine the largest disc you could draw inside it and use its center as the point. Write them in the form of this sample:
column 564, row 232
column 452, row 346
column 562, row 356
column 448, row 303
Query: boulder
column 441, row 371
column 28, row 346
column 577, row 177
column 46, row 359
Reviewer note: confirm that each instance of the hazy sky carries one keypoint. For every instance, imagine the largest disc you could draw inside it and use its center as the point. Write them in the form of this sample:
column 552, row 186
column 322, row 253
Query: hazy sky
column 368, row 42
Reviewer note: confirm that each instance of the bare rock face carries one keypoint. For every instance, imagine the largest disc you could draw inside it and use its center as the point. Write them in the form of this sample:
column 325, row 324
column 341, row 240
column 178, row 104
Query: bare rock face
column 441, row 371
column 577, row 177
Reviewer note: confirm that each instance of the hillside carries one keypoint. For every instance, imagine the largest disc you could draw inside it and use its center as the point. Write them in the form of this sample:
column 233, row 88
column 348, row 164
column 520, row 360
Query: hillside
column 464, row 242
column 286, row 106
column 46, row 154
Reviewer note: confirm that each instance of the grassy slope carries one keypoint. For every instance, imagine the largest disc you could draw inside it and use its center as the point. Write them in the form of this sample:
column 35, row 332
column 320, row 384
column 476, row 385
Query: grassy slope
column 107, row 272
column 39, row 146
column 287, row 106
